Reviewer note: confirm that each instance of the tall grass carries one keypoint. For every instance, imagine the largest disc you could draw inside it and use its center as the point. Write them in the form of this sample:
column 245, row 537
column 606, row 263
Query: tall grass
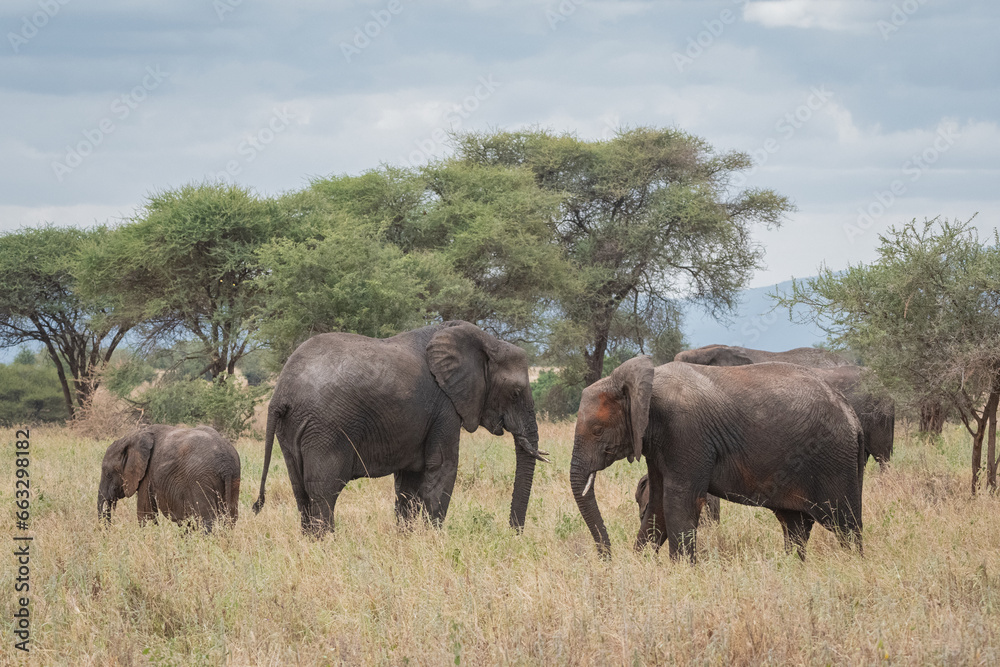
column 474, row 592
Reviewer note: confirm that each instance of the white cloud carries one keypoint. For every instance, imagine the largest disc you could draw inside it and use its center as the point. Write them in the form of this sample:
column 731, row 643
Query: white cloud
column 825, row 15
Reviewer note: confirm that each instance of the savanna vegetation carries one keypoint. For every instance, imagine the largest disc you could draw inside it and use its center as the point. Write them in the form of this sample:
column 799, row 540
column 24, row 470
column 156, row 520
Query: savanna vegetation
column 580, row 252
column 474, row 592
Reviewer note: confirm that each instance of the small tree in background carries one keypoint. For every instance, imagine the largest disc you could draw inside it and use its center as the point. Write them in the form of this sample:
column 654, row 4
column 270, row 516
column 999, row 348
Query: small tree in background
column 186, row 267
column 42, row 301
column 926, row 317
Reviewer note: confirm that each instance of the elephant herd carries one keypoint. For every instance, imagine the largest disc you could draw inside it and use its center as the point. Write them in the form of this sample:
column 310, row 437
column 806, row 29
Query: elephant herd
column 787, row 431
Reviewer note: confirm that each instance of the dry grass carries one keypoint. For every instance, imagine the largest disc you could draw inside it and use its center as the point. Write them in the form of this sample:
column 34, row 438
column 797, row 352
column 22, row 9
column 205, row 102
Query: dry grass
column 927, row 592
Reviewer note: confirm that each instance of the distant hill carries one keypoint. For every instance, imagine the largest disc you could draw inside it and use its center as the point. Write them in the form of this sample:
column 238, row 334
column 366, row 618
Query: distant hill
column 754, row 325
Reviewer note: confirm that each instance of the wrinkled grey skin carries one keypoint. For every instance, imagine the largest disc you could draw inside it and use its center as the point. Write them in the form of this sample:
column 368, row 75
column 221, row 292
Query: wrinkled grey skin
column 731, row 355
column 770, row 435
column 709, row 513
column 186, row 473
column 877, row 414
column 348, row 406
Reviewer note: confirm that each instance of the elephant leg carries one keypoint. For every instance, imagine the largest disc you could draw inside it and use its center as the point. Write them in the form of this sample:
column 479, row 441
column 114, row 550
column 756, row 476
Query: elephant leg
column 840, row 518
column 408, row 502
column 653, row 528
column 439, row 477
column 681, row 509
column 711, row 510
column 145, row 506
column 325, row 474
column 796, row 526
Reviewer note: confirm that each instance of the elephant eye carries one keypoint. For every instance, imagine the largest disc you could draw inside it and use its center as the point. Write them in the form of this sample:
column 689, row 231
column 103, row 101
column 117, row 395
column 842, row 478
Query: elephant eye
column 597, row 431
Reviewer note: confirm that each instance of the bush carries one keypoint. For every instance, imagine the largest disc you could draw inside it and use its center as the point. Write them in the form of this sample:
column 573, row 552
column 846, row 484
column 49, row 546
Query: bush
column 226, row 406
column 554, row 396
column 30, row 392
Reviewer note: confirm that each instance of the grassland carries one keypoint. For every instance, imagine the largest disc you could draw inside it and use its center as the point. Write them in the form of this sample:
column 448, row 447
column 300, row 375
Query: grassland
column 474, row 592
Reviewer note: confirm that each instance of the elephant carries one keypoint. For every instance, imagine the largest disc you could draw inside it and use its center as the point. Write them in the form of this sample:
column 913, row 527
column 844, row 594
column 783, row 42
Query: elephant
column 709, row 513
column 186, row 473
column 770, row 435
column 877, row 414
column 731, row 355
column 347, row 406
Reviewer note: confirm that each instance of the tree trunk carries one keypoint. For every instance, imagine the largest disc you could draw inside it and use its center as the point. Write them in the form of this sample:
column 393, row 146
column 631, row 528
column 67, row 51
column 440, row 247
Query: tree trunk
column 595, row 360
column 991, row 432
column 991, row 453
column 977, row 457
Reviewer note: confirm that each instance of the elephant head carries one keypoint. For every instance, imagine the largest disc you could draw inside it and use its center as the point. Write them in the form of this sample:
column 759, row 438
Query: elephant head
column 715, row 355
column 487, row 381
column 122, row 470
column 610, row 425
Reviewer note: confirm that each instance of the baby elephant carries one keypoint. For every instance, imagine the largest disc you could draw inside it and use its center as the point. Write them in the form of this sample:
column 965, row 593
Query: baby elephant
column 186, row 473
column 710, row 512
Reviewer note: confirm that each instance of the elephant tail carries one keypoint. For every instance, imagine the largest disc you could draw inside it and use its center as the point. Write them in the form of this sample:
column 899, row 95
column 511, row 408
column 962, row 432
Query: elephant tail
column 274, row 413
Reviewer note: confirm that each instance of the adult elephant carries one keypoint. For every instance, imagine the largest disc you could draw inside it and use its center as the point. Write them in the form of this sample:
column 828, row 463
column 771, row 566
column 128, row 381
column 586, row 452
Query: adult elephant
column 186, row 473
column 877, row 413
column 770, row 435
column 731, row 355
column 348, row 406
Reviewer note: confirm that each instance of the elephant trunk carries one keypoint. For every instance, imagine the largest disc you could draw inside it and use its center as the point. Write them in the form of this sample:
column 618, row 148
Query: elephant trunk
column 581, row 482
column 523, row 477
column 104, row 506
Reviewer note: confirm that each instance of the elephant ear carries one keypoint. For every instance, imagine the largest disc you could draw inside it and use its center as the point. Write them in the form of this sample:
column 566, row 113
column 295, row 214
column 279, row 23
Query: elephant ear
column 457, row 356
column 634, row 379
column 137, row 453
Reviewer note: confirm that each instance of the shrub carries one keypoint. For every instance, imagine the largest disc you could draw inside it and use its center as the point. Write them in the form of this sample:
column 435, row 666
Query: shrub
column 225, row 405
column 554, row 396
column 30, row 392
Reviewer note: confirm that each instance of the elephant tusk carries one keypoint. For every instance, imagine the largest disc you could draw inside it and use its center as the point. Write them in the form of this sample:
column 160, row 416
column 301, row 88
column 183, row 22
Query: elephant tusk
column 590, row 480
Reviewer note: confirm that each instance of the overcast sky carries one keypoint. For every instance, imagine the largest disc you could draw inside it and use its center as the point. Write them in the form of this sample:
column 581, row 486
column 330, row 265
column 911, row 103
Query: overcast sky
column 866, row 113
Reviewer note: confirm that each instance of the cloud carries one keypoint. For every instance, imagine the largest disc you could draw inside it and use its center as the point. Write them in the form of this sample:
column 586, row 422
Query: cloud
column 827, row 15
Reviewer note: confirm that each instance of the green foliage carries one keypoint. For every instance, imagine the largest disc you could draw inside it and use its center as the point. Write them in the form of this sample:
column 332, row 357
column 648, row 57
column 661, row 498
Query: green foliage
column 226, row 406
column 186, row 265
column 346, row 279
column 30, row 392
column 556, row 397
column 255, row 368
column 25, row 356
column 41, row 301
column 925, row 317
column 121, row 379
column 645, row 218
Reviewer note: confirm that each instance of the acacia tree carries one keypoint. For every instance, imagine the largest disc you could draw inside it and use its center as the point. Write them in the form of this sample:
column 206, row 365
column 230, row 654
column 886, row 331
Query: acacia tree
column 645, row 218
column 478, row 237
column 41, row 302
column 926, row 318
column 333, row 271
column 186, row 267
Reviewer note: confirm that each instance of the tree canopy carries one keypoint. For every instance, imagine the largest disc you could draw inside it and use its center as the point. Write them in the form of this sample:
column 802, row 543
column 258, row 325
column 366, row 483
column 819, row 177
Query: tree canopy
column 186, row 266
column 41, row 302
column 644, row 219
column 926, row 318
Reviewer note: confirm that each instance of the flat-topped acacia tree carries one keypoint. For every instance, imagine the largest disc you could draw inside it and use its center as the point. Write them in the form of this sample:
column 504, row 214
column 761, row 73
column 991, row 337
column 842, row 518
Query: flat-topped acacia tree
column 645, row 218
